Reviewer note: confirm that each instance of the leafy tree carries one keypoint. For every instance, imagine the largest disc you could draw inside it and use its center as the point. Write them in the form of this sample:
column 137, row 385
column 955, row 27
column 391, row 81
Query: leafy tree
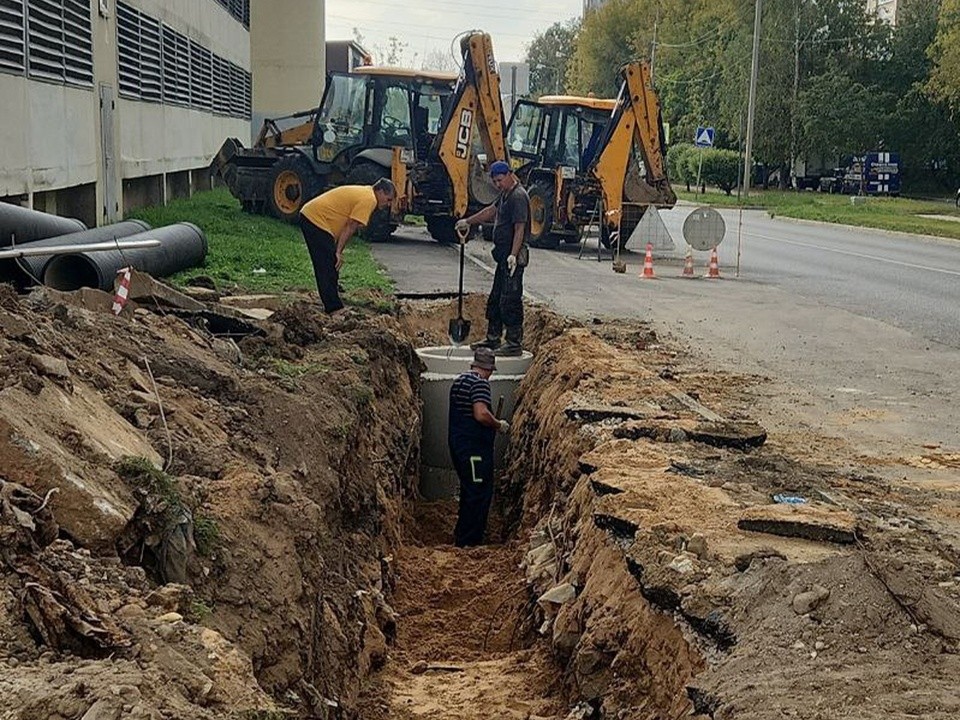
column 720, row 168
column 548, row 56
column 678, row 168
column 838, row 115
column 604, row 45
column 944, row 81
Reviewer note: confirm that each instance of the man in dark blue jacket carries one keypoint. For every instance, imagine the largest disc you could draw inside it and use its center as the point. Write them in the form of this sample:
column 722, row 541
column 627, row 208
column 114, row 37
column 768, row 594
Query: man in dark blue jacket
column 510, row 214
column 473, row 428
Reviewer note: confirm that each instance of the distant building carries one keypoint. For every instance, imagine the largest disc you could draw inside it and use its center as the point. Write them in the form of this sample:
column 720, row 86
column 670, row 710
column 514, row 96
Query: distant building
column 345, row 55
column 885, row 10
column 591, row 5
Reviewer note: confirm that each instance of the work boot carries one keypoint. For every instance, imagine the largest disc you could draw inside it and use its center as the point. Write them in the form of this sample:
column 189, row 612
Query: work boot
column 513, row 347
column 491, row 342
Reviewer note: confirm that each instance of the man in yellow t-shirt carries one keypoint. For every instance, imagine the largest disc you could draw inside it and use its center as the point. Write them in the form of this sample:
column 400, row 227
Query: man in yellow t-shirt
column 329, row 221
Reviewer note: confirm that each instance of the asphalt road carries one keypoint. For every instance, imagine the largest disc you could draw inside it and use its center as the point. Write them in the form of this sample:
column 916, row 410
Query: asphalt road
column 857, row 331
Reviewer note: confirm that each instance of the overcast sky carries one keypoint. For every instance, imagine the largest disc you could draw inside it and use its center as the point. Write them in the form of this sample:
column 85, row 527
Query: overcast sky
column 430, row 25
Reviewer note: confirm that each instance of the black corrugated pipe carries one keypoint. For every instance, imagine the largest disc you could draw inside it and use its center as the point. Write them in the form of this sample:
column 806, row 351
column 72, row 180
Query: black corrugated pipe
column 29, row 270
column 28, row 225
column 183, row 246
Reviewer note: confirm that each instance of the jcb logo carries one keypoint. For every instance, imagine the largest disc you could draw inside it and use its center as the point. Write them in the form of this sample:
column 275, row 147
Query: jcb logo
column 463, row 133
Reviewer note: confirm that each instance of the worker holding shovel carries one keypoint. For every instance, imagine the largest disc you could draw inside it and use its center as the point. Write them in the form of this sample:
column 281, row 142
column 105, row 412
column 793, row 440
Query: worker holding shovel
column 473, row 428
column 510, row 214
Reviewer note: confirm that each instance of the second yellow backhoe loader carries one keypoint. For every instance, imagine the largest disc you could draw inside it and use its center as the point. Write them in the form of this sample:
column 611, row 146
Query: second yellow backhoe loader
column 590, row 160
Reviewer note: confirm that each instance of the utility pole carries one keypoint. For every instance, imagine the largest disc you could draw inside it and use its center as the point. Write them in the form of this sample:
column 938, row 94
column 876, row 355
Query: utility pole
column 796, row 94
column 653, row 50
column 751, row 103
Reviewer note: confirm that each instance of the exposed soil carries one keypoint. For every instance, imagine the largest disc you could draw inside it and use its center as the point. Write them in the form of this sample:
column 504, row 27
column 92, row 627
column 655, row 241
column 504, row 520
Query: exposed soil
column 285, row 464
column 281, row 564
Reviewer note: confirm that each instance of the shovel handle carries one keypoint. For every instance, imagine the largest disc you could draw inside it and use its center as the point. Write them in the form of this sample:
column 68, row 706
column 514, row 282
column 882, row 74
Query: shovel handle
column 499, row 408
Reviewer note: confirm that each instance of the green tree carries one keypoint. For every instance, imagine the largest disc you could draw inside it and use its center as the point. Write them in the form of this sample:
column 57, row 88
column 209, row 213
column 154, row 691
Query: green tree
column 549, row 55
column 720, row 168
column 838, row 115
column 678, row 167
column 944, row 81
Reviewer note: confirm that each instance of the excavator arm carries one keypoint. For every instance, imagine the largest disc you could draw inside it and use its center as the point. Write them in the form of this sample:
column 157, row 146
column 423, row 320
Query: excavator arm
column 635, row 122
column 476, row 108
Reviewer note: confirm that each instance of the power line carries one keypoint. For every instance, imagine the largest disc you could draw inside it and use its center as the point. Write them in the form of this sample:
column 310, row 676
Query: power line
column 703, row 38
column 690, row 81
column 466, row 7
column 358, row 22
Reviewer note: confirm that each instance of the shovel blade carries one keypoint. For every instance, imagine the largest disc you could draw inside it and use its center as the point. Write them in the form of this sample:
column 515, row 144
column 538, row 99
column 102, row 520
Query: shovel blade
column 459, row 331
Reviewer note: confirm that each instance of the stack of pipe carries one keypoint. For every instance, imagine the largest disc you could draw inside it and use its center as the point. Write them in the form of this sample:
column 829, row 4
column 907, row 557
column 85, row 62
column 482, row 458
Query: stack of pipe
column 182, row 245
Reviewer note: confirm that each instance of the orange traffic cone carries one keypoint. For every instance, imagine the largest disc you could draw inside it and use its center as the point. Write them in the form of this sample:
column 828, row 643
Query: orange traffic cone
column 648, row 264
column 688, row 266
column 714, row 271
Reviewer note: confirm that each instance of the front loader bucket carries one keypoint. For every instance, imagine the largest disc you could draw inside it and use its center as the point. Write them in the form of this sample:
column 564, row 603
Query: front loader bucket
column 245, row 172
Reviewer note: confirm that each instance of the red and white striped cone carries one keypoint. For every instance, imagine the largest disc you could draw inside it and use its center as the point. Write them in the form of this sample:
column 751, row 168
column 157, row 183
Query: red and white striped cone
column 688, row 266
column 123, row 290
column 714, row 271
column 647, row 273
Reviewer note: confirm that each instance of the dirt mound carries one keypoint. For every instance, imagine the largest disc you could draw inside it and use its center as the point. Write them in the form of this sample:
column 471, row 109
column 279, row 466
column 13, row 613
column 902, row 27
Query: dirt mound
column 696, row 572
column 426, row 322
column 285, row 457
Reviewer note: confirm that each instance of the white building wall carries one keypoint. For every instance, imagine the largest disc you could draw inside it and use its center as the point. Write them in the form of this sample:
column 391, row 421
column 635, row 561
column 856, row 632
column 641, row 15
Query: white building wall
column 157, row 138
column 39, row 152
column 50, row 133
column 288, row 57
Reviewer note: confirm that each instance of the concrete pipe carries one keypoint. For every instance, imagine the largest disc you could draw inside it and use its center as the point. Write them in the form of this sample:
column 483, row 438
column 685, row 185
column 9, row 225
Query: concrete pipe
column 183, row 246
column 22, row 225
column 438, row 479
column 29, row 270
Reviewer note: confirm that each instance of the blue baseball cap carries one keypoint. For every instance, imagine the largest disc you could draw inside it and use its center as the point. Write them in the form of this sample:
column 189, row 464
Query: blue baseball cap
column 499, row 168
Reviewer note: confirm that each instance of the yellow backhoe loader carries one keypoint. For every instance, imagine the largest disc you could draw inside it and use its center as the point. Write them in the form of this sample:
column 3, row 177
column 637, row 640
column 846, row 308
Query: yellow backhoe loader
column 366, row 122
column 430, row 132
column 590, row 160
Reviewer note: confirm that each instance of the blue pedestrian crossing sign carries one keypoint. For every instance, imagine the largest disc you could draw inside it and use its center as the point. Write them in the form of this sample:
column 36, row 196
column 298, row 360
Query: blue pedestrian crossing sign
column 704, row 137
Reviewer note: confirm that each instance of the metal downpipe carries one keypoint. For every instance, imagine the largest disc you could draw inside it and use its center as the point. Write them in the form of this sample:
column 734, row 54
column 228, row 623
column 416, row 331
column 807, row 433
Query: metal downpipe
column 27, row 225
column 183, row 245
column 29, row 270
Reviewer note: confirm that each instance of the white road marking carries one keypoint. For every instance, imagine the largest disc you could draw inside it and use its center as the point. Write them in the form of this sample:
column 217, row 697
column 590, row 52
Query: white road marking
column 865, row 256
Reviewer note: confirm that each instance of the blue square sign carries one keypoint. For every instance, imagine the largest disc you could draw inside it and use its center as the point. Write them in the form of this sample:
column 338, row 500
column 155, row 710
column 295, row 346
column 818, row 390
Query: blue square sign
column 704, row 137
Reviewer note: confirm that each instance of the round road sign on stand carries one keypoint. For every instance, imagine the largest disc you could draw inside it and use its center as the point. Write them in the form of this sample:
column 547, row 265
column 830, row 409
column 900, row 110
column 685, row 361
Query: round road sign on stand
column 704, row 228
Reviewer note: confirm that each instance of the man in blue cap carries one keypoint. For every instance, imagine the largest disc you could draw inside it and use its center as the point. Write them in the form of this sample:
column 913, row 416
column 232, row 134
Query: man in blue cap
column 510, row 214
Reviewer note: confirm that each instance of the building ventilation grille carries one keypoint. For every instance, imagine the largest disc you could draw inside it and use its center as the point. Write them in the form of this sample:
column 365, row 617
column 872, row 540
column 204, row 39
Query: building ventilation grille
column 12, row 54
column 158, row 64
column 59, row 41
column 240, row 9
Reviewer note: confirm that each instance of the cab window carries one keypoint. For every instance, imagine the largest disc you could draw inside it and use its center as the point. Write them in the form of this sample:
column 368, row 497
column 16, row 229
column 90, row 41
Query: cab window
column 523, row 133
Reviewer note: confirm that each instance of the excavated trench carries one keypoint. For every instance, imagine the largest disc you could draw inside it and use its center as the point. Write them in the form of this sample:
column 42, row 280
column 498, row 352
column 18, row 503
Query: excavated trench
column 544, row 622
column 637, row 567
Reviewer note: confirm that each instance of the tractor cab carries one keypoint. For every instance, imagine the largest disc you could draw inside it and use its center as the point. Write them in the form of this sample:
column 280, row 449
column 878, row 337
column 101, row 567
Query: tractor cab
column 380, row 107
column 558, row 131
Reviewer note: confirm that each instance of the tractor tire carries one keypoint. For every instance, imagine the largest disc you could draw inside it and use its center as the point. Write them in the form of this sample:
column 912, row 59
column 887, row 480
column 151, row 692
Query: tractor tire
column 541, row 217
column 292, row 183
column 442, row 228
column 380, row 228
